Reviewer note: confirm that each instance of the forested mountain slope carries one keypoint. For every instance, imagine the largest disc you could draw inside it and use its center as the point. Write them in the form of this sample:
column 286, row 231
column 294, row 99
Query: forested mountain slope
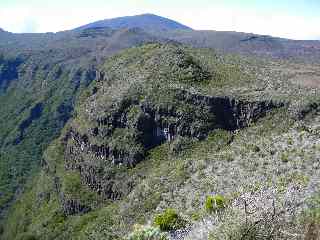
column 41, row 76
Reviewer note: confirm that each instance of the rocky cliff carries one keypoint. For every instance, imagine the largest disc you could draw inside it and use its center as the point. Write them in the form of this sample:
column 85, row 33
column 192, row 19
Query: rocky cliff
column 120, row 121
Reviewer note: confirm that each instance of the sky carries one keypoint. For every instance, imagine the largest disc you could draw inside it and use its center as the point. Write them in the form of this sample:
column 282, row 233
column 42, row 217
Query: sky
column 295, row 19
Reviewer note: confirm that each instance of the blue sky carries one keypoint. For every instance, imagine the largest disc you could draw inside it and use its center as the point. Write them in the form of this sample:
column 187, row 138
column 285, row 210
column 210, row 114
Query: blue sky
column 296, row 19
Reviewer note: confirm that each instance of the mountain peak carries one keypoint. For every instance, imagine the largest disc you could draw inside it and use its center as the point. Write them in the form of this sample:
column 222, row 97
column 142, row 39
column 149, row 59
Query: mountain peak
column 148, row 22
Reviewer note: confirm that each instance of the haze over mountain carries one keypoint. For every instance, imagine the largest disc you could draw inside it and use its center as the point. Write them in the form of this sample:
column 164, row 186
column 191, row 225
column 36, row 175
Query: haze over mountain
column 142, row 119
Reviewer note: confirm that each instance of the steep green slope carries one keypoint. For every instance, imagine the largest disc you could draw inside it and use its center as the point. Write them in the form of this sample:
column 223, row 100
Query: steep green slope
column 41, row 76
column 164, row 126
column 34, row 107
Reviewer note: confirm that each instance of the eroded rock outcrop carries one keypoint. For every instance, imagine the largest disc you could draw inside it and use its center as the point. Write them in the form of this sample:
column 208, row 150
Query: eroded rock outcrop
column 127, row 138
column 135, row 109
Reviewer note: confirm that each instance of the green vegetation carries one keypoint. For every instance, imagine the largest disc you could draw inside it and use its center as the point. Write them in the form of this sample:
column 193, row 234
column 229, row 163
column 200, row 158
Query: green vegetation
column 311, row 222
column 181, row 145
column 311, row 216
column 32, row 116
column 215, row 203
column 248, row 231
column 147, row 233
column 113, row 167
column 219, row 138
column 169, row 220
column 285, row 157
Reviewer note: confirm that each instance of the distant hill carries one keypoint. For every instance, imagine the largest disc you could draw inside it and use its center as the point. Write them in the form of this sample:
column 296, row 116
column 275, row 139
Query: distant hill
column 147, row 22
column 248, row 44
column 225, row 41
column 111, row 35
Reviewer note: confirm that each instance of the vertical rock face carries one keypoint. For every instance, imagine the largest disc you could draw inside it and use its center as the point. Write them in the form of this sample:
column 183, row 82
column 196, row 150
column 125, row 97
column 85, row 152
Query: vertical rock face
column 126, row 141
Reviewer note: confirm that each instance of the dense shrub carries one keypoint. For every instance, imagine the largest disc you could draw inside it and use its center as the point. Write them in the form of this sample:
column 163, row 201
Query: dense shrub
column 147, row 233
column 27, row 236
column 311, row 220
column 214, row 203
column 180, row 144
column 284, row 157
column 169, row 220
column 72, row 183
column 244, row 232
column 236, row 229
column 219, row 138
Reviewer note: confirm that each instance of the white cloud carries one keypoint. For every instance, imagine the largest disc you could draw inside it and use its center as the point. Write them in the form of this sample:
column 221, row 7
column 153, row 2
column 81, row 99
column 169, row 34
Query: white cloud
column 218, row 18
column 225, row 19
column 48, row 20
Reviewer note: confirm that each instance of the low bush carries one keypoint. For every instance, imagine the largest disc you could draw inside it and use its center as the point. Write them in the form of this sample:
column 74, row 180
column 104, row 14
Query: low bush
column 220, row 138
column 237, row 229
column 214, row 203
column 27, row 236
column 180, row 144
column 72, row 183
column 147, row 233
column 284, row 157
column 311, row 219
column 169, row 220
